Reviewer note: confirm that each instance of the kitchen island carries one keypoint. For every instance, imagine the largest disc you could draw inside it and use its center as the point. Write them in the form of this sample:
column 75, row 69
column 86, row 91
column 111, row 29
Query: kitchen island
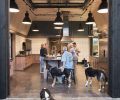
column 51, row 62
column 23, row 61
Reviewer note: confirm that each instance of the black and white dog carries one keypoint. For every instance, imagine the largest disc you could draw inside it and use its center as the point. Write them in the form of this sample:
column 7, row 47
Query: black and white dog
column 100, row 74
column 45, row 94
column 57, row 72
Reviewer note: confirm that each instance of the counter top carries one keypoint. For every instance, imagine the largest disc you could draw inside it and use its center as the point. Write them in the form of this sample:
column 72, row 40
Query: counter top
column 22, row 55
column 52, row 58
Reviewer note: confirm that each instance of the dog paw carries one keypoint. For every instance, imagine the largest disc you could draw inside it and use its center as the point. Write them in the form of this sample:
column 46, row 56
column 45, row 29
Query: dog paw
column 53, row 85
column 90, row 85
column 69, row 85
column 106, row 83
column 103, row 87
column 86, row 85
column 99, row 90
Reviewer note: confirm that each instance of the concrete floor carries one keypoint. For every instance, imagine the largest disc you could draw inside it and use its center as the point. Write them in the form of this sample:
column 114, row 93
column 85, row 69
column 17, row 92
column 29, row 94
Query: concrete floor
column 28, row 83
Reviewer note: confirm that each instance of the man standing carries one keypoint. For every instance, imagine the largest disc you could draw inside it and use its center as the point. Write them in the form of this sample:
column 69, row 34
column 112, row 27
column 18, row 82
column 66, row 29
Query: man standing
column 75, row 52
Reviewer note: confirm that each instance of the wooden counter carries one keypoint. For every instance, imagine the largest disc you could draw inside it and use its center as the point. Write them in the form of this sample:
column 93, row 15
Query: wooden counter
column 36, row 58
column 23, row 62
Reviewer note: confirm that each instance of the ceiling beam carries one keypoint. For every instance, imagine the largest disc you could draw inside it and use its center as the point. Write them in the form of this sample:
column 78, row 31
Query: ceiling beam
column 57, row 5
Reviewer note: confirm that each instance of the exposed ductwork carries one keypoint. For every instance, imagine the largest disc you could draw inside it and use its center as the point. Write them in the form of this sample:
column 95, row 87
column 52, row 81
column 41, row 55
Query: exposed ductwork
column 66, row 38
column 35, row 5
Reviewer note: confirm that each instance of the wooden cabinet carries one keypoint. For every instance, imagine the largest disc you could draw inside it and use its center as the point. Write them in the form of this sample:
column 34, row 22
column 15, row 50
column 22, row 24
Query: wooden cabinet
column 36, row 58
column 23, row 62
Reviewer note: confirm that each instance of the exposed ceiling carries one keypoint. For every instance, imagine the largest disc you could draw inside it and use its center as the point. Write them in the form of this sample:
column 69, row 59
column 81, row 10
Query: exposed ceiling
column 49, row 14
column 46, row 29
column 56, row 1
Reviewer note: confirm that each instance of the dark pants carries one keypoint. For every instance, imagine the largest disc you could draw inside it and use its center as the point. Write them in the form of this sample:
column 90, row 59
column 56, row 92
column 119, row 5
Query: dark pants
column 67, row 73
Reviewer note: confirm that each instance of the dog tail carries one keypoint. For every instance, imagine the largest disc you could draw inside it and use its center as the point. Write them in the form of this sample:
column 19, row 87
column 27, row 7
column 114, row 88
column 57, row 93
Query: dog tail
column 106, row 78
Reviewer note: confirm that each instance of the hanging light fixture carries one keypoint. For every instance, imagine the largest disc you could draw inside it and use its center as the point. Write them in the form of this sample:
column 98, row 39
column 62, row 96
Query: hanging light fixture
column 35, row 28
column 58, row 27
column 26, row 19
column 80, row 29
column 90, row 19
column 58, row 19
column 13, row 6
column 103, row 8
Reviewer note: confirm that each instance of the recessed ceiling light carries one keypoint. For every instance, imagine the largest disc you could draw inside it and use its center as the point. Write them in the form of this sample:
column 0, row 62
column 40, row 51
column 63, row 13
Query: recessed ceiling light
column 58, row 27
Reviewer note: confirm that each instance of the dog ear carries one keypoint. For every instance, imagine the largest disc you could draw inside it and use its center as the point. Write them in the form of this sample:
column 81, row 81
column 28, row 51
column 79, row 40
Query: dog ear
column 61, row 68
column 45, row 93
column 42, row 94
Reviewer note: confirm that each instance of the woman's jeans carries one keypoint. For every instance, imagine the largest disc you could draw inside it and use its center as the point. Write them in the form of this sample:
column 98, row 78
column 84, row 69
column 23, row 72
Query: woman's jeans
column 42, row 64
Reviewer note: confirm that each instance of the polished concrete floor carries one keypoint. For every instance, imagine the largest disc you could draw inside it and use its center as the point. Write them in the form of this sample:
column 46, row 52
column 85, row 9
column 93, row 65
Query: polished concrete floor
column 28, row 83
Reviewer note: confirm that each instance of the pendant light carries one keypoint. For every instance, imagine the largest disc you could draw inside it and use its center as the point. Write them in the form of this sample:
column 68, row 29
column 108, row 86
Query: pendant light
column 80, row 29
column 103, row 8
column 58, row 19
column 90, row 19
column 26, row 19
column 58, row 27
column 13, row 7
column 35, row 28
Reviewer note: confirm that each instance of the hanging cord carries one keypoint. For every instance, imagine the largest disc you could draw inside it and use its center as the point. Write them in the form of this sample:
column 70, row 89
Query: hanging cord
column 80, row 18
column 58, row 9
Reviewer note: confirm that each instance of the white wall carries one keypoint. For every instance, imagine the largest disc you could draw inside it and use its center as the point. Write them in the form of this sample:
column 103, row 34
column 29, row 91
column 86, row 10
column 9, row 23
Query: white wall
column 18, row 44
column 84, row 48
column 82, row 45
column 36, row 44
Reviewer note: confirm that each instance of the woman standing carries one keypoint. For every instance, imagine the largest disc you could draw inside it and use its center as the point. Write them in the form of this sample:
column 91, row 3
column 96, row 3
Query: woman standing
column 43, row 54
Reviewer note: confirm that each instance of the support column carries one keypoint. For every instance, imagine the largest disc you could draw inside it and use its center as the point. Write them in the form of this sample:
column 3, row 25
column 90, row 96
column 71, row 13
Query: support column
column 4, row 50
column 114, row 48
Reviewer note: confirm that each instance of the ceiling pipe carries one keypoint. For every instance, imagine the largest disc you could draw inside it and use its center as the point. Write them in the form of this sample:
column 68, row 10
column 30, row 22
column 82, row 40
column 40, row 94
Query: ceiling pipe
column 66, row 38
column 56, row 5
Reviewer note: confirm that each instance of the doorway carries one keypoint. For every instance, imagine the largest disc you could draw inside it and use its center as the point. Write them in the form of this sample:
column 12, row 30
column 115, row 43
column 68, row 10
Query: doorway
column 113, row 52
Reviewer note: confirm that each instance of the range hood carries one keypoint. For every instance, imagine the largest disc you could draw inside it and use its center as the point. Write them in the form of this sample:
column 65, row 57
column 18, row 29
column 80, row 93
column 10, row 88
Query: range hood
column 66, row 38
